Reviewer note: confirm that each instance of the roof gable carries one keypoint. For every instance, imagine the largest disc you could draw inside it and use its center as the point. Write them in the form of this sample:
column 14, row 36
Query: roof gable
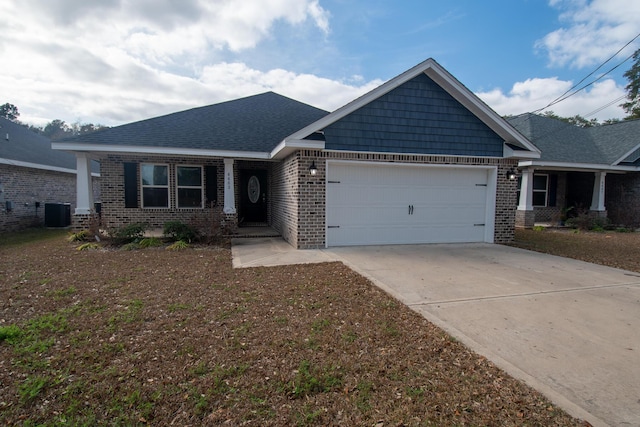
column 418, row 117
column 565, row 143
column 255, row 124
column 448, row 83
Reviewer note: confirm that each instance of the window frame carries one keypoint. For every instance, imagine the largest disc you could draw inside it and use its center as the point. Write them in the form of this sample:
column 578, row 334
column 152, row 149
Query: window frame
column 200, row 187
column 143, row 186
column 545, row 191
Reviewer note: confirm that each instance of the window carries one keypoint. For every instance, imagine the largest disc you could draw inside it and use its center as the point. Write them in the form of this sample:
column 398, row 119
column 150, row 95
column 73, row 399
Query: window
column 155, row 185
column 189, row 186
column 540, row 190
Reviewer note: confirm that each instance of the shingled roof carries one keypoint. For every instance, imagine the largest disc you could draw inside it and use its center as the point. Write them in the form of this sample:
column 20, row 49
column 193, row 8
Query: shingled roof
column 23, row 147
column 565, row 143
column 253, row 124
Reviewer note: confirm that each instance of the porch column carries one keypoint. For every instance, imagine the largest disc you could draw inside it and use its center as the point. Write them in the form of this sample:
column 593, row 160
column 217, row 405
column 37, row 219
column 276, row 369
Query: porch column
column 597, row 200
column 84, row 188
column 229, row 188
column 525, row 216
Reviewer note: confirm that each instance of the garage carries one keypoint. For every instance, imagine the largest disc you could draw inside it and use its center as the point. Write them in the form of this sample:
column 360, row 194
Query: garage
column 384, row 204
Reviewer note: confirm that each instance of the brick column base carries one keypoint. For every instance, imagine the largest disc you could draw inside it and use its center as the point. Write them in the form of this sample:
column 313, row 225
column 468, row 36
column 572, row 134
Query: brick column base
column 598, row 214
column 525, row 219
column 89, row 222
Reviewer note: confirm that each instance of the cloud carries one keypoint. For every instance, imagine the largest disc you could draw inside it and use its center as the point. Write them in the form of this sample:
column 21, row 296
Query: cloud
column 536, row 93
column 593, row 31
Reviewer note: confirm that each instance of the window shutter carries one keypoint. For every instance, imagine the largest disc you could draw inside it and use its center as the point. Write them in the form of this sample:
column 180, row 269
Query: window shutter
column 553, row 189
column 211, row 184
column 130, row 185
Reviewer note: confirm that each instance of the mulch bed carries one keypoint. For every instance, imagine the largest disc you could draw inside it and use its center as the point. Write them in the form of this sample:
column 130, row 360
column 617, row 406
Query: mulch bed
column 158, row 337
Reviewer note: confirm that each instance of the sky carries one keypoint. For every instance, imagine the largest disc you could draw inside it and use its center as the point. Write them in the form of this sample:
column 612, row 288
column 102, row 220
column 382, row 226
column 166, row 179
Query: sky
column 112, row 62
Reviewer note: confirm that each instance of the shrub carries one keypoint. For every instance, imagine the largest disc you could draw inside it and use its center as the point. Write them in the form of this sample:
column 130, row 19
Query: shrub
column 150, row 242
column 177, row 230
column 178, row 246
column 80, row 236
column 129, row 233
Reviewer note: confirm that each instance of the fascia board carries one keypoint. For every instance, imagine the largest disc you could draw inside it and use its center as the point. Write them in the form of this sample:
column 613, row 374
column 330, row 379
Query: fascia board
column 287, row 147
column 510, row 153
column 577, row 166
column 130, row 149
column 36, row 166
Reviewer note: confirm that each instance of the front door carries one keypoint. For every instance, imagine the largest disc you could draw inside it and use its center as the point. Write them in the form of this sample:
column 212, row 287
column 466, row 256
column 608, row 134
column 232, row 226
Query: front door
column 253, row 196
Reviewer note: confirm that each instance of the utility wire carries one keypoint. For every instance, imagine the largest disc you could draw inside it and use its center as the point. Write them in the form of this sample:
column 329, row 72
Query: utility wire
column 567, row 94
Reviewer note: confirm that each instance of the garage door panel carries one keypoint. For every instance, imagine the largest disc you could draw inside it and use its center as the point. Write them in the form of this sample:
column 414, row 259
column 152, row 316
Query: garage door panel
column 397, row 204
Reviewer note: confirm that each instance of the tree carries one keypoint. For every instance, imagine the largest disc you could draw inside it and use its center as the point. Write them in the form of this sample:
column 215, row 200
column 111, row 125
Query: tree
column 632, row 107
column 9, row 111
column 576, row 120
column 56, row 129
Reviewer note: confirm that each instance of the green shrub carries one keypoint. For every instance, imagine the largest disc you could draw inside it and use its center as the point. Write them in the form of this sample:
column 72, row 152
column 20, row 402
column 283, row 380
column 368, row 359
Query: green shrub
column 129, row 233
column 150, row 242
column 177, row 230
column 177, row 246
column 80, row 236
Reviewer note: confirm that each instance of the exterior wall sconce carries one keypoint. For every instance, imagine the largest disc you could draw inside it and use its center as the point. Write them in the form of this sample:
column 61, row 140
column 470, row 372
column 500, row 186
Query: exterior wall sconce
column 512, row 175
column 313, row 169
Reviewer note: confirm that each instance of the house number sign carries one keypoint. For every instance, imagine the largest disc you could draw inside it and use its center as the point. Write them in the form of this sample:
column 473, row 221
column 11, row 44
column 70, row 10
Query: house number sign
column 253, row 188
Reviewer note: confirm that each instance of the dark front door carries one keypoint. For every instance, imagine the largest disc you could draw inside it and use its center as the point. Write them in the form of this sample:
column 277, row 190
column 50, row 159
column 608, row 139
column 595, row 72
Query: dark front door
column 253, row 196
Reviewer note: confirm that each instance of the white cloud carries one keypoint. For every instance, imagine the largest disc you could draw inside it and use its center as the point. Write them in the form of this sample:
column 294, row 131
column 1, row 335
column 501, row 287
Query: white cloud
column 594, row 30
column 536, row 93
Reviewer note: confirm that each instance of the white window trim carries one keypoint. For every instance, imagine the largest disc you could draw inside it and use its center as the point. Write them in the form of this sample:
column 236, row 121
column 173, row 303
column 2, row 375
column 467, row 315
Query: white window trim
column 142, row 186
column 201, row 187
column 546, row 190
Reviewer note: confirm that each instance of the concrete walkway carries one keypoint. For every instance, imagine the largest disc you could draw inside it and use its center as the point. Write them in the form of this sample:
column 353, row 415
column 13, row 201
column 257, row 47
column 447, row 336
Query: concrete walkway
column 568, row 328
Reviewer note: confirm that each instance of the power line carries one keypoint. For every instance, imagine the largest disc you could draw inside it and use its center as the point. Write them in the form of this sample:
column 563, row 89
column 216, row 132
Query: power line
column 567, row 94
column 597, row 110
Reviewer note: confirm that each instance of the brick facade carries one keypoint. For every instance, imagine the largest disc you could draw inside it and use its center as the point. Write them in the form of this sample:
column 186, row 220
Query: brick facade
column 300, row 197
column 115, row 214
column 25, row 186
column 622, row 199
column 296, row 200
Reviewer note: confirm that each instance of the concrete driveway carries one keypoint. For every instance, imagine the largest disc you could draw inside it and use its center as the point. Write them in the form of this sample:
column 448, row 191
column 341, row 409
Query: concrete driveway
column 568, row 328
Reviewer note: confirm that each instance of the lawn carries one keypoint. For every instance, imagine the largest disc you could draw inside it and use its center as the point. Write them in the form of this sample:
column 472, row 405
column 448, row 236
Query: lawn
column 158, row 337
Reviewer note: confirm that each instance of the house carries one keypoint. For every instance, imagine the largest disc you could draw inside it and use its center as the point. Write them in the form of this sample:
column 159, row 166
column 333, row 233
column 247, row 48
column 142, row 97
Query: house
column 33, row 175
column 419, row 159
column 594, row 170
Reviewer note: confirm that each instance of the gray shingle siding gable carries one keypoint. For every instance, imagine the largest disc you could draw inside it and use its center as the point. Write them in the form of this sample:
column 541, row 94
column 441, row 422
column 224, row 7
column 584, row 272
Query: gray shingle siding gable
column 417, row 117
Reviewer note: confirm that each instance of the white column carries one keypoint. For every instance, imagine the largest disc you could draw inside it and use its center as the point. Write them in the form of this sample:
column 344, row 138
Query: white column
column 229, row 188
column 597, row 201
column 526, row 191
column 84, row 188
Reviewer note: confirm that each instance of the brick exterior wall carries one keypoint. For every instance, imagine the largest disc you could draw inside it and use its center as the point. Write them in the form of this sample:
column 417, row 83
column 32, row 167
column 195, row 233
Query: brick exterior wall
column 300, row 215
column 622, row 199
column 115, row 215
column 25, row 186
column 285, row 196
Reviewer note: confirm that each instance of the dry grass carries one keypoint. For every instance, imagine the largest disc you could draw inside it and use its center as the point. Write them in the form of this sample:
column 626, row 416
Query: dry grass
column 157, row 337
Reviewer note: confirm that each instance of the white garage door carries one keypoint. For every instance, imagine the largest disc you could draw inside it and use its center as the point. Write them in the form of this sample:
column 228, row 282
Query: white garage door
column 374, row 204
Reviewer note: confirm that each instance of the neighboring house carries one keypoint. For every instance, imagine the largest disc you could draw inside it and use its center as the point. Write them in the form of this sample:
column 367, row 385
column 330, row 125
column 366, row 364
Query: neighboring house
column 33, row 175
column 594, row 169
column 419, row 159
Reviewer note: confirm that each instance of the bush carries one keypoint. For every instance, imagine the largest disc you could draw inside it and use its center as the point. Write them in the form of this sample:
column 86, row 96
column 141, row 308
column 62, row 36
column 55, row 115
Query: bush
column 129, row 233
column 585, row 221
column 176, row 231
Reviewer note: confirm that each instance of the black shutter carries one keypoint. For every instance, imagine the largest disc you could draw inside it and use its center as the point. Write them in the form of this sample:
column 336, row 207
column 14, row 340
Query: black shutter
column 553, row 189
column 130, row 185
column 211, row 184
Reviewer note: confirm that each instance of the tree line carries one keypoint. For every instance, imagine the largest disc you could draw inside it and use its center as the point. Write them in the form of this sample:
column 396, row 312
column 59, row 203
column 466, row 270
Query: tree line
column 57, row 129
